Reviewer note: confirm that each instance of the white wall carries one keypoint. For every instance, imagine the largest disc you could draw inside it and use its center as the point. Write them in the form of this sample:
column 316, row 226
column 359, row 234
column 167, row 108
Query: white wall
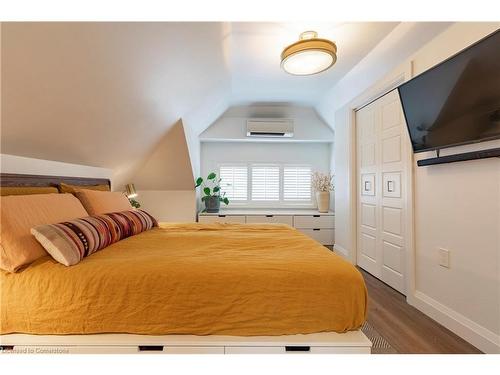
column 165, row 181
column 168, row 167
column 342, row 201
column 232, row 125
column 164, row 205
column 225, row 141
column 173, row 205
column 457, row 206
column 22, row 165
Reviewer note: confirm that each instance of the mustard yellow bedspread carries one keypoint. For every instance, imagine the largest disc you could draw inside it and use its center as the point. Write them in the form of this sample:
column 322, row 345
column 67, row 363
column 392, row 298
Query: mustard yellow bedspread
column 199, row 279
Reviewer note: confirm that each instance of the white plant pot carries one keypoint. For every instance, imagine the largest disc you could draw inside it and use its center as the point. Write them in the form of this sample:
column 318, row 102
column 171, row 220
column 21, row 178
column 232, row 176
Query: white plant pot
column 323, row 201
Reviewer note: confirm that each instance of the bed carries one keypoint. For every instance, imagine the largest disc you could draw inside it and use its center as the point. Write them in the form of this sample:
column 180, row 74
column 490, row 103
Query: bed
column 190, row 288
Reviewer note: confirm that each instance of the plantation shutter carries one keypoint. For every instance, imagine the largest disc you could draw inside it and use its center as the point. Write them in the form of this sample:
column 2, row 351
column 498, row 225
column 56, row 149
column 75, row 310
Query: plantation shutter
column 297, row 184
column 234, row 182
column 265, row 183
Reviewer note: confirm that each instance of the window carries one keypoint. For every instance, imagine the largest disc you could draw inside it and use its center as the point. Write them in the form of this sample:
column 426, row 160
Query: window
column 266, row 183
column 297, row 184
column 234, row 182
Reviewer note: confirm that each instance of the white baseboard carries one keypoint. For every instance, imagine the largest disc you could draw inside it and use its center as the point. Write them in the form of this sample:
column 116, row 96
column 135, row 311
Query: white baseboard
column 341, row 251
column 477, row 335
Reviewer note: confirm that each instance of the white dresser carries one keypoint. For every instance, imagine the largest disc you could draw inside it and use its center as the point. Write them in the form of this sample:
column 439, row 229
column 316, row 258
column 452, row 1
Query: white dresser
column 319, row 226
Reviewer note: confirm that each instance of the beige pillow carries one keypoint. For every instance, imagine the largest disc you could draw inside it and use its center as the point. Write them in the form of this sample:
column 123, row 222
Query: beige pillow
column 20, row 213
column 67, row 188
column 103, row 202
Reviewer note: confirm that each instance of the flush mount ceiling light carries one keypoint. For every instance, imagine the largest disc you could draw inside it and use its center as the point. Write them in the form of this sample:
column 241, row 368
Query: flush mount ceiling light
column 310, row 55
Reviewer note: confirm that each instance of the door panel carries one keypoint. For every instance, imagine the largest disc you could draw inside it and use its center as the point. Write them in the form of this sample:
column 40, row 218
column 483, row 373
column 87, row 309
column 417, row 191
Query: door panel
column 368, row 184
column 391, row 219
column 382, row 194
column 391, row 149
column 368, row 215
column 367, row 254
column 369, row 246
column 391, row 184
column 391, row 114
column 368, row 154
column 393, row 257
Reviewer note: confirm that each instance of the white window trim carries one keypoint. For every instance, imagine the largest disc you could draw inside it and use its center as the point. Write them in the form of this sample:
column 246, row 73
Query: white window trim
column 281, row 203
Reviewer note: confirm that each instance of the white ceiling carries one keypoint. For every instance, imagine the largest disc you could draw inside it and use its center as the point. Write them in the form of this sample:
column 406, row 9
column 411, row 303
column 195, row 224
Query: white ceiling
column 105, row 94
column 254, row 58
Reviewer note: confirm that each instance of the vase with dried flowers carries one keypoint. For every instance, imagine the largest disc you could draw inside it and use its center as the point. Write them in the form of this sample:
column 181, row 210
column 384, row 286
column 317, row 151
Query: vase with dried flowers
column 322, row 184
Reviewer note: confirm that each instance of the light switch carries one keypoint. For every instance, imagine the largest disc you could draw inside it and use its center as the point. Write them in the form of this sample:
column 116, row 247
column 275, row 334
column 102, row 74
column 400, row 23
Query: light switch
column 444, row 257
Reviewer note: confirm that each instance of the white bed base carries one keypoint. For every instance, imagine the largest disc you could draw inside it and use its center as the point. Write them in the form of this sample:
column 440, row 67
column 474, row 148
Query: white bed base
column 353, row 342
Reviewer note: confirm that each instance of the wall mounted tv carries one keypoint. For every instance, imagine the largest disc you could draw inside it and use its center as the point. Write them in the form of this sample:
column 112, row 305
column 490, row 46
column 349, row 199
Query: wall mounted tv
column 456, row 102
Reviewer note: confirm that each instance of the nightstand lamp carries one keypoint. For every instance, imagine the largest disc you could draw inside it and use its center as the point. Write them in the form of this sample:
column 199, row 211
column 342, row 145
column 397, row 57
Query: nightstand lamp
column 130, row 191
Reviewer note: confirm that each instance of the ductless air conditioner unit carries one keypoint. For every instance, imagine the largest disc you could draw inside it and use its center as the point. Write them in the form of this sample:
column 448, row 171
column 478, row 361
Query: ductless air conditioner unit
column 275, row 128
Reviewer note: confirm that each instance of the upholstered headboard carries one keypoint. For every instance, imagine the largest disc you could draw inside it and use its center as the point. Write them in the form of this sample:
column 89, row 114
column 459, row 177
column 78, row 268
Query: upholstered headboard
column 18, row 180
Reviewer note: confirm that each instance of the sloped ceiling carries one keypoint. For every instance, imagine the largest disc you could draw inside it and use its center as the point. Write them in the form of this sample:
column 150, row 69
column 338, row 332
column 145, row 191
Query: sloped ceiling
column 396, row 47
column 158, row 174
column 106, row 94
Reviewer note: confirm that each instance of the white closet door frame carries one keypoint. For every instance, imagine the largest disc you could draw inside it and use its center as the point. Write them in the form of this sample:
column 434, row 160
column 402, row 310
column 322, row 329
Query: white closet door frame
column 362, row 100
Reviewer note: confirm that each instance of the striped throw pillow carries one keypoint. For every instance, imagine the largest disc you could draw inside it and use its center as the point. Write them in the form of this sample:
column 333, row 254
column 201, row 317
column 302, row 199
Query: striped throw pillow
column 70, row 241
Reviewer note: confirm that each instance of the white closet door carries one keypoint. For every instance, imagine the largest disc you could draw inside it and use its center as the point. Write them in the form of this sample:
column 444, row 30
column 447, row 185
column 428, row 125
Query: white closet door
column 382, row 194
column 368, row 218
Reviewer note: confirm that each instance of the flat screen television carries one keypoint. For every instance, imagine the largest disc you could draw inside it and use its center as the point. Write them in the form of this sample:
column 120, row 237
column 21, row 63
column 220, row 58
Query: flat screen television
column 456, row 102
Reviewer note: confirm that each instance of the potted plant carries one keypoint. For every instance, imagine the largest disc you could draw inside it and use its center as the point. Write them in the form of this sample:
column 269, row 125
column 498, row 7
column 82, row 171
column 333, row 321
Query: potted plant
column 134, row 203
column 211, row 192
column 322, row 184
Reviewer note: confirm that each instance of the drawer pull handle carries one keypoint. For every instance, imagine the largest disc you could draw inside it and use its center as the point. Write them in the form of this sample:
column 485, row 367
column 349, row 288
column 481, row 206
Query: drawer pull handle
column 222, row 215
column 316, row 215
column 316, row 229
column 150, row 348
column 298, row 348
column 269, row 215
column 6, row 347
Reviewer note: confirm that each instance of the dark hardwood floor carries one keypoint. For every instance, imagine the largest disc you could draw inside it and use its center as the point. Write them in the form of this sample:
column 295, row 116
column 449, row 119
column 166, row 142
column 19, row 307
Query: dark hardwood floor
column 404, row 327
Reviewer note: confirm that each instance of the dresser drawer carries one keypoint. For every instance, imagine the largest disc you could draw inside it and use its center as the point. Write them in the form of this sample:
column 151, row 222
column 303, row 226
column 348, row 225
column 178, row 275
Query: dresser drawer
column 323, row 236
column 254, row 350
column 240, row 219
column 277, row 219
column 314, row 221
column 296, row 350
column 193, row 350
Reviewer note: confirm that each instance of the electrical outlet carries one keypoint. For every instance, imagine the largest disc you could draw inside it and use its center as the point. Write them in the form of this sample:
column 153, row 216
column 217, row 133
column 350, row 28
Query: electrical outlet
column 444, row 257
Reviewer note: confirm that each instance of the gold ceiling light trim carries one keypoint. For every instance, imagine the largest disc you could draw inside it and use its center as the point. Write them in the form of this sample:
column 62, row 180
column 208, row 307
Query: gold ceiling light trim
column 310, row 55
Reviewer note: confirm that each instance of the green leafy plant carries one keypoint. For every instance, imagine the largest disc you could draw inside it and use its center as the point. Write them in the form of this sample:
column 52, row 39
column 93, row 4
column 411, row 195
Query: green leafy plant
column 134, row 203
column 211, row 188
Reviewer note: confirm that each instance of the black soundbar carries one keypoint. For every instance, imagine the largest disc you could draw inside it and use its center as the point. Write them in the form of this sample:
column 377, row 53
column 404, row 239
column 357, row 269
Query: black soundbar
column 483, row 154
